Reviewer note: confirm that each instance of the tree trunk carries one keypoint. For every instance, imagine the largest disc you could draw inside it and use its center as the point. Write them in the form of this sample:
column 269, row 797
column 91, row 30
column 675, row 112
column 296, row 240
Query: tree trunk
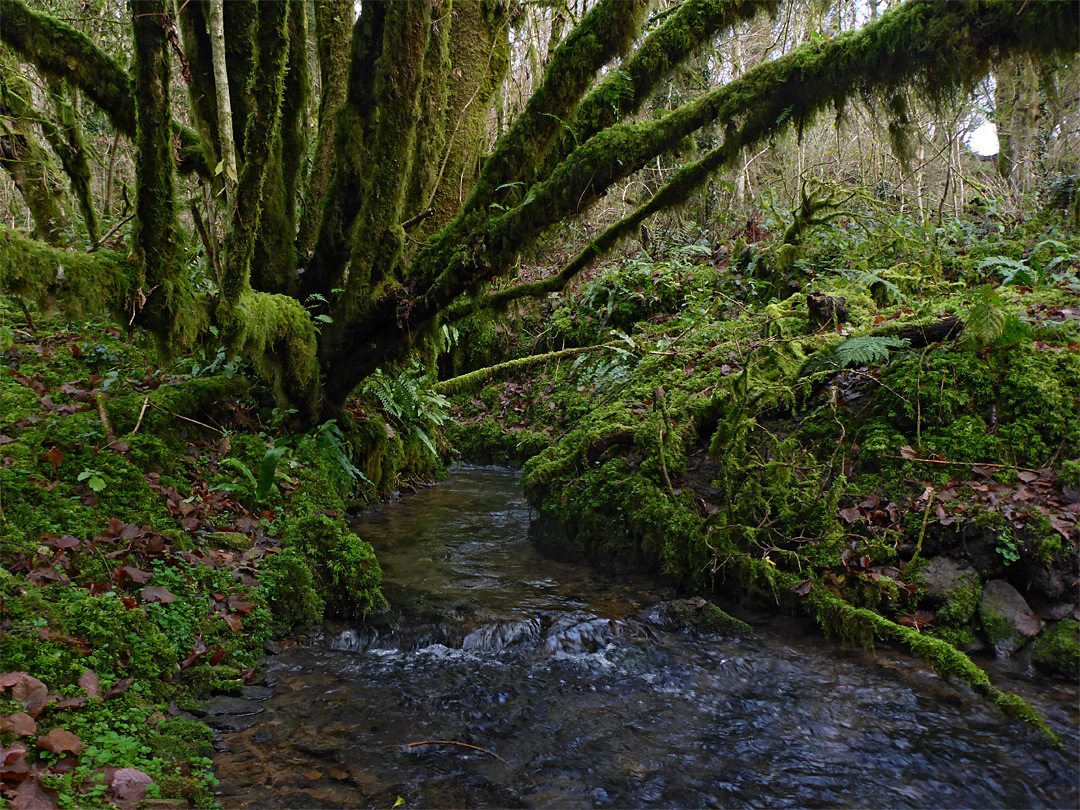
column 227, row 149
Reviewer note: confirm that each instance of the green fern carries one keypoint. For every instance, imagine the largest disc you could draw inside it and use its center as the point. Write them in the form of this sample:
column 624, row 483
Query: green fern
column 409, row 402
column 986, row 321
column 1013, row 272
column 863, row 351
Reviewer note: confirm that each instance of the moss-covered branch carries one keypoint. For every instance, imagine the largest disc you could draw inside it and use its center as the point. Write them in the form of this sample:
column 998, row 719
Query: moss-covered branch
column 272, row 46
column 58, row 50
column 607, row 31
column 622, row 92
column 156, row 224
column 66, row 140
column 462, row 383
column 937, row 47
column 24, row 158
column 85, row 282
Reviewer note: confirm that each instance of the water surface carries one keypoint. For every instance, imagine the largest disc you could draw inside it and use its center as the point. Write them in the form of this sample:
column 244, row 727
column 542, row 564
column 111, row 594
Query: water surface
column 501, row 678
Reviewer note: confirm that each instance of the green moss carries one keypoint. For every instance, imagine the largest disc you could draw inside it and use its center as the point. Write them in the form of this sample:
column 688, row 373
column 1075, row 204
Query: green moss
column 961, row 602
column 344, row 568
column 1058, row 649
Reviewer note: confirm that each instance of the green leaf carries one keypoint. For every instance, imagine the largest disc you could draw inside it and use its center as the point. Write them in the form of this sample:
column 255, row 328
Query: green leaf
column 267, row 469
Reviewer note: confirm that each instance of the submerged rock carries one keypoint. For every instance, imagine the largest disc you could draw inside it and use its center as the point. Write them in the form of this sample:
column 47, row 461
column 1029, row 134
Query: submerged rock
column 696, row 616
column 1006, row 618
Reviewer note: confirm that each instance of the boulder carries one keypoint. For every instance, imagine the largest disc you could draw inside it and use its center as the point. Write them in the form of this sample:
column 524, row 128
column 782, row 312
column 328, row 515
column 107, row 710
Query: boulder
column 1007, row 620
column 954, row 588
column 1058, row 649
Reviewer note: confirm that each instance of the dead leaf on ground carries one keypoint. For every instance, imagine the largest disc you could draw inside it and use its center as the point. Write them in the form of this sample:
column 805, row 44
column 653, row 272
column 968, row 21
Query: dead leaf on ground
column 129, row 786
column 13, row 766
column 908, row 452
column 850, row 514
column 32, row 692
column 59, row 740
column 19, row 723
column 158, row 593
column 90, row 683
column 803, row 588
column 117, row 688
column 55, row 456
column 32, row 795
column 1028, row 624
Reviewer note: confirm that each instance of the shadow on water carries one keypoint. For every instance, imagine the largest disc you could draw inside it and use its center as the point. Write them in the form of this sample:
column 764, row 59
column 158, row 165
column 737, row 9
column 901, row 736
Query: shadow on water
column 501, row 678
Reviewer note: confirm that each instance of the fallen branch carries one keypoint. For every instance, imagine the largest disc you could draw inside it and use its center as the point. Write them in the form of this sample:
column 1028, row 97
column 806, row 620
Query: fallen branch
column 452, row 742
column 967, row 464
column 103, row 415
column 103, row 239
column 185, row 418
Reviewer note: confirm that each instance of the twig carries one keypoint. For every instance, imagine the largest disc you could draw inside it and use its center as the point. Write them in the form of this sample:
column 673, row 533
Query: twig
column 185, row 418
column 103, row 414
column 139, row 420
column 967, row 464
column 460, row 745
column 105, row 238
column 922, row 530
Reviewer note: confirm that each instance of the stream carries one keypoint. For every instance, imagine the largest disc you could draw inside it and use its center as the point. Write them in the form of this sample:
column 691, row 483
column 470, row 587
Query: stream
column 502, row 678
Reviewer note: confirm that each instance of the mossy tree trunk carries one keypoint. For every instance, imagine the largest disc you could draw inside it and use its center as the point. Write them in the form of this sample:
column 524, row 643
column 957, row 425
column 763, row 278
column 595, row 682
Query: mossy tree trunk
column 403, row 218
column 24, row 157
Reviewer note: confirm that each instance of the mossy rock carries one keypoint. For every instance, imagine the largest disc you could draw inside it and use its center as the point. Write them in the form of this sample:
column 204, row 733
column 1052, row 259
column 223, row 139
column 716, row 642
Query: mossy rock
column 1058, row 649
column 696, row 616
column 234, row 541
column 954, row 588
column 1001, row 612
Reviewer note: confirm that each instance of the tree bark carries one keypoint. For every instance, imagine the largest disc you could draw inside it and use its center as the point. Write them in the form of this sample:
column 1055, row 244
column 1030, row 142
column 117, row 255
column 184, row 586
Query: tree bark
column 227, row 149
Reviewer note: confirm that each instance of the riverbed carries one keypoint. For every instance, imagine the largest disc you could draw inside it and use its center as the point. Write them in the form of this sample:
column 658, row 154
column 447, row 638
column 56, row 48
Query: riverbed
column 503, row 678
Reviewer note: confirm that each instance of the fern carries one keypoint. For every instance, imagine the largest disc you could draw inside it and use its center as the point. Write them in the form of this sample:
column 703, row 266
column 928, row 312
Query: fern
column 867, row 279
column 409, row 402
column 863, row 351
column 986, row 321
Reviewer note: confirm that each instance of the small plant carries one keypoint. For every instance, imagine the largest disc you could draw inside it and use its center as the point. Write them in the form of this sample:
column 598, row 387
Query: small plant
column 1008, row 547
column 94, row 479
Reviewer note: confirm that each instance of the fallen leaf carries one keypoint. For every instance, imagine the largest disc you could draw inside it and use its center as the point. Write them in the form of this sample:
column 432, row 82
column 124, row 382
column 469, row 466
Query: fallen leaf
column 129, row 786
column 850, row 514
column 70, row 703
column 32, row 795
column 217, row 656
column 55, row 456
column 240, row 606
column 67, row 541
column 1027, row 477
column 59, row 740
column 234, row 623
column 19, row 723
column 117, row 688
column 1028, row 624
column 13, row 767
column 803, row 588
column 908, row 452
column 138, row 576
column 32, row 692
column 90, row 683
column 157, row 593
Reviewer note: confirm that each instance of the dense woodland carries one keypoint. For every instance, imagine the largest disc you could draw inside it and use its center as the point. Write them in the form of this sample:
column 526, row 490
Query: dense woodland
column 729, row 280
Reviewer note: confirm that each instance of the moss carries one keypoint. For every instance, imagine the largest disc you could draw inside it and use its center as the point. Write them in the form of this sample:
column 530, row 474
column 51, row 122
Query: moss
column 1058, row 649
column 961, row 602
column 344, row 567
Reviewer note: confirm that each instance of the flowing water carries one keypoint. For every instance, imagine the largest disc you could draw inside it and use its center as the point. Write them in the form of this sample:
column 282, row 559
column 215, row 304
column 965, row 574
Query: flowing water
column 501, row 678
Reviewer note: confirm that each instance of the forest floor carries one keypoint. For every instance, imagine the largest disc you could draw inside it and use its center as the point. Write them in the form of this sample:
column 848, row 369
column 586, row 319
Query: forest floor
column 891, row 445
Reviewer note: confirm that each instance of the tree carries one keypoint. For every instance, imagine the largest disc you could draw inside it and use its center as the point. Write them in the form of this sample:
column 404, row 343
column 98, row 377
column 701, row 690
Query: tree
column 334, row 269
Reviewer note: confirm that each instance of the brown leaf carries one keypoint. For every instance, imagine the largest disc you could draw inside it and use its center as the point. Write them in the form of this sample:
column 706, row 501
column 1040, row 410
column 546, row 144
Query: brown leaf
column 32, row 692
column 70, row 703
column 19, row 723
column 1028, row 624
column 67, row 541
column 803, row 588
column 118, row 688
column 157, row 593
column 32, row 795
column 234, row 623
column 4, row 439
column 850, row 514
column 908, row 452
column 240, row 606
column 13, row 767
column 90, row 683
column 138, row 576
column 129, row 786
column 1027, row 477
column 59, row 740
column 55, row 456
column 217, row 656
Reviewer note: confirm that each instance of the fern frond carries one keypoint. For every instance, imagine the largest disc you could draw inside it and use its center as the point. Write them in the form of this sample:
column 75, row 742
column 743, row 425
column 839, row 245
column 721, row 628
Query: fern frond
column 863, row 351
column 986, row 322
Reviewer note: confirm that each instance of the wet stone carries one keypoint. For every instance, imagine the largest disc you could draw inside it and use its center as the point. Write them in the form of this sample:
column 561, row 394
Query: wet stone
column 222, row 704
column 271, row 648
column 1006, row 618
column 256, row 693
column 230, row 722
